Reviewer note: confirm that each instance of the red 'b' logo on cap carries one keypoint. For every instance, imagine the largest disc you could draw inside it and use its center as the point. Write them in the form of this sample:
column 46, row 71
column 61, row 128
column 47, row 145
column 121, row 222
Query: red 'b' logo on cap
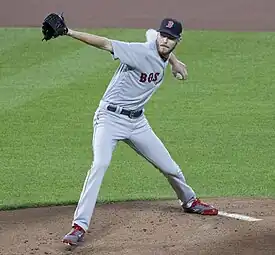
column 170, row 24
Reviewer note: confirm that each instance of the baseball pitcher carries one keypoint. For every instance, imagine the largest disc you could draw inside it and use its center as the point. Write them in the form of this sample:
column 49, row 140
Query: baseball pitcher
column 120, row 115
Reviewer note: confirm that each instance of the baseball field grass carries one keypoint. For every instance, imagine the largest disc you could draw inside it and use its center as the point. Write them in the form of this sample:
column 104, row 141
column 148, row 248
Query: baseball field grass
column 218, row 125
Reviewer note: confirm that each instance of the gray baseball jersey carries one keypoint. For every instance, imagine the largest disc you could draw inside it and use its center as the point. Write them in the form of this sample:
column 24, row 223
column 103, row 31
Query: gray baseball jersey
column 138, row 76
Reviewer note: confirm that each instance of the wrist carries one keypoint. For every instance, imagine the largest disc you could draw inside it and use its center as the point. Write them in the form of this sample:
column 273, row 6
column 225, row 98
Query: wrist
column 70, row 32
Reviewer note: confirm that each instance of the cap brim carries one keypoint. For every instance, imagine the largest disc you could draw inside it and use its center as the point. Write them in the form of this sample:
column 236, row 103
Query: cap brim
column 168, row 32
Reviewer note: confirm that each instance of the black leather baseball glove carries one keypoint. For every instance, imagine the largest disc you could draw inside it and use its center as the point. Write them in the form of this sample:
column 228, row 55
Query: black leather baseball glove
column 53, row 26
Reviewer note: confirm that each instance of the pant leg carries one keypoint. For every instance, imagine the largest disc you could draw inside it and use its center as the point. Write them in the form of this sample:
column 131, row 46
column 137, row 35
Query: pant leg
column 104, row 141
column 145, row 142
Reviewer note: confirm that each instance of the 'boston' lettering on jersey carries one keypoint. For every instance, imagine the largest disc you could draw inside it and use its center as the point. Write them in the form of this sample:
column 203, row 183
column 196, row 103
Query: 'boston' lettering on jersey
column 152, row 77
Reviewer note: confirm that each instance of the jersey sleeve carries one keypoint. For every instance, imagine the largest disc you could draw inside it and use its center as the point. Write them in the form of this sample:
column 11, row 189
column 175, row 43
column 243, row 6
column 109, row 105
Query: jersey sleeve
column 128, row 53
column 151, row 35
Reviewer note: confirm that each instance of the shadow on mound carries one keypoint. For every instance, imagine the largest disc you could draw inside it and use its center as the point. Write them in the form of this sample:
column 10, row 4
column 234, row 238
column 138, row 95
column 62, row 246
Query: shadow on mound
column 143, row 227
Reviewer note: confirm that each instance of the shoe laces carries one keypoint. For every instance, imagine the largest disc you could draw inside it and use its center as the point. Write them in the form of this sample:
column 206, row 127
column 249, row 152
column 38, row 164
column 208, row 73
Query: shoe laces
column 77, row 228
column 198, row 201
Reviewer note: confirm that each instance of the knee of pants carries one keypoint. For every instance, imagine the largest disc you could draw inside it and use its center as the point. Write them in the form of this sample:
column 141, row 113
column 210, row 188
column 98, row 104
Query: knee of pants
column 100, row 165
column 170, row 169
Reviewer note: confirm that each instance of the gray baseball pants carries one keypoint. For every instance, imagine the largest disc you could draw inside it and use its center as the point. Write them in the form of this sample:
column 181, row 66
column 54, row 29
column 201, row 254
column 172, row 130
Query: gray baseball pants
column 109, row 128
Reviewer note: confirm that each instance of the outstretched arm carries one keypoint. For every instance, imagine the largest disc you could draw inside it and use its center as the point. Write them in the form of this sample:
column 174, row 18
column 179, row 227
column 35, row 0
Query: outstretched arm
column 99, row 42
column 127, row 53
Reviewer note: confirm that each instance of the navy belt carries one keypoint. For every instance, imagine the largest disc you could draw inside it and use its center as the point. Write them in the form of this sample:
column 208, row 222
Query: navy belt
column 130, row 114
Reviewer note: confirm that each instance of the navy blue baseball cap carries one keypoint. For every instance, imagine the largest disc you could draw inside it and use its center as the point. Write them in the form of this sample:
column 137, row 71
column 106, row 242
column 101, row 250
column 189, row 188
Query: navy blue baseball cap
column 171, row 27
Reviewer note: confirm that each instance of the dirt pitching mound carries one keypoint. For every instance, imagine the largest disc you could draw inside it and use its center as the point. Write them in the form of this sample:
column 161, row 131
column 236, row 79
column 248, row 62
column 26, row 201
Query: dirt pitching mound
column 156, row 227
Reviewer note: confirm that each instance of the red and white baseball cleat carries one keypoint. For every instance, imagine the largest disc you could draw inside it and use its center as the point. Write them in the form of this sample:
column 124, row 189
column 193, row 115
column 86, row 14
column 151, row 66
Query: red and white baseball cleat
column 201, row 208
column 75, row 236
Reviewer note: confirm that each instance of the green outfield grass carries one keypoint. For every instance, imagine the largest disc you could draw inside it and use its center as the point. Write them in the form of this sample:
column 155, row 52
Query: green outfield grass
column 218, row 125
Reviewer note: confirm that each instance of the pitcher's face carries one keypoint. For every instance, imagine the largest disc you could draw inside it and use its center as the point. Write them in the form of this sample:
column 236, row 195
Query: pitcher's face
column 165, row 44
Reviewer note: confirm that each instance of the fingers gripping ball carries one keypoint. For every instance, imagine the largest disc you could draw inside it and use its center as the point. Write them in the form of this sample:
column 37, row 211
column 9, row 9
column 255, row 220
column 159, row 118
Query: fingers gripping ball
column 53, row 26
column 178, row 76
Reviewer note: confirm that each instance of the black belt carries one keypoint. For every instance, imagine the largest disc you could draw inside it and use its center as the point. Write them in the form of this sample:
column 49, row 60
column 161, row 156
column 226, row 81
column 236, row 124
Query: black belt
column 130, row 114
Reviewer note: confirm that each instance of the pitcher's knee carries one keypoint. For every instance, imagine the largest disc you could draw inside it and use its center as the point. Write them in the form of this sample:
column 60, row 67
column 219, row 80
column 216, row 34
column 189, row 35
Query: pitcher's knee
column 100, row 165
column 173, row 169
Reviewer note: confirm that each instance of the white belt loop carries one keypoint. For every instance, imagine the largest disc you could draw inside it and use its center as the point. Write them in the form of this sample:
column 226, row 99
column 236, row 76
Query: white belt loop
column 118, row 109
column 104, row 105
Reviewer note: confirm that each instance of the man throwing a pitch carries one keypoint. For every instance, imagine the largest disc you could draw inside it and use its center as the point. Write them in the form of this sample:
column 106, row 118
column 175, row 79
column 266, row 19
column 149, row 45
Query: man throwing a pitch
column 120, row 116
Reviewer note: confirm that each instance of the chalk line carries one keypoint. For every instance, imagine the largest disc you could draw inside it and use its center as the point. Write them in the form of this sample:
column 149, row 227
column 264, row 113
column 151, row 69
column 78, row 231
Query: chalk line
column 238, row 216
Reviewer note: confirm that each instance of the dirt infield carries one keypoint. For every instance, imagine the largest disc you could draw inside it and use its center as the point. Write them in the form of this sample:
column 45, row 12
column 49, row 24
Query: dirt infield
column 161, row 227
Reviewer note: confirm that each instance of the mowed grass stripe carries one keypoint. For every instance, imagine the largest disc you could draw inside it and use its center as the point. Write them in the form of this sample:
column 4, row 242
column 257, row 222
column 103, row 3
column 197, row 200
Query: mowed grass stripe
column 219, row 126
column 28, row 68
column 33, row 81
